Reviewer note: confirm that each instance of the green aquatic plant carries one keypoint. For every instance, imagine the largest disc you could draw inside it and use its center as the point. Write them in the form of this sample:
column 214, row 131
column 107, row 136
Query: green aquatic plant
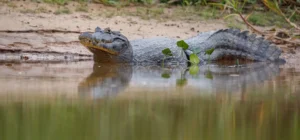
column 167, row 52
column 237, row 62
column 165, row 75
column 181, row 82
column 194, row 70
column 209, row 74
column 209, row 52
column 194, row 60
column 181, row 44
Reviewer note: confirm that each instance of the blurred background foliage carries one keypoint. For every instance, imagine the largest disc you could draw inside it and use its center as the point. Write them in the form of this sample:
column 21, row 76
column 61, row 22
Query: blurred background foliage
column 278, row 13
column 258, row 116
column 288, row 3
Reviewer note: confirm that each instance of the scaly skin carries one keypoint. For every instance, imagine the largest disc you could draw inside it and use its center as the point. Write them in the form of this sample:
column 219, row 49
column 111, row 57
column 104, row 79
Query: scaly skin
column 113, row 47
column 107, row 46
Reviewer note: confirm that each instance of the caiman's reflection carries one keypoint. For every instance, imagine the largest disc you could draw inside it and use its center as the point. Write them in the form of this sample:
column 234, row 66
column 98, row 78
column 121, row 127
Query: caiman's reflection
column 242, row 79
column 106, row 80
column 109, row 80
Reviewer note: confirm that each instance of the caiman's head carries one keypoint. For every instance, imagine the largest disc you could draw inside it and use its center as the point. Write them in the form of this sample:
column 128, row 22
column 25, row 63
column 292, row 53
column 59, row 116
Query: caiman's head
column 107, row 46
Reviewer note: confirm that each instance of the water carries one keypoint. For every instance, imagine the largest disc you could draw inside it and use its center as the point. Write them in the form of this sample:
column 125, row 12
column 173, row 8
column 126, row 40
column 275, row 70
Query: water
column 81, row 100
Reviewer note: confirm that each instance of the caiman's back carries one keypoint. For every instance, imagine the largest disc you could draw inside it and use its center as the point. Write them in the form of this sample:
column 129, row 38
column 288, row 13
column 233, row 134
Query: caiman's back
column 113, row 47
column 149, row 51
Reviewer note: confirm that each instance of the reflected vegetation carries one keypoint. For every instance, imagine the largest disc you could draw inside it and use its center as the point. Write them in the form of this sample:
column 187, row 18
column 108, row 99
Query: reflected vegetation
column 211, row 118
column 213, row 102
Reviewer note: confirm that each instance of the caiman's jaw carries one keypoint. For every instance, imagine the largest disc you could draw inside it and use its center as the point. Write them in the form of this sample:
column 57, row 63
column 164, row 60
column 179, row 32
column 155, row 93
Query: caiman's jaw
column 86, row 39
column 107, row 46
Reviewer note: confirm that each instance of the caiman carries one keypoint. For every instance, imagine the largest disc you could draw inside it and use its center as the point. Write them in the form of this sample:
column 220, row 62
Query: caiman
column 112, row 47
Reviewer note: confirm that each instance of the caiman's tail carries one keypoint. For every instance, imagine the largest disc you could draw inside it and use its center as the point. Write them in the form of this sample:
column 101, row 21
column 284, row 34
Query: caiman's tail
column 232, row 43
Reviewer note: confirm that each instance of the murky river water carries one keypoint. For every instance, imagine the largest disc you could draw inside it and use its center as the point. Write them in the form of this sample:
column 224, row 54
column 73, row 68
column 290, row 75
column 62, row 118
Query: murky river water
column 81, row 100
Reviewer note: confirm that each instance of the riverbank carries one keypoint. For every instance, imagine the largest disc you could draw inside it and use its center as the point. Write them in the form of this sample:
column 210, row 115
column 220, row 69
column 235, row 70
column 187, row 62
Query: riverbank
column 135, row 22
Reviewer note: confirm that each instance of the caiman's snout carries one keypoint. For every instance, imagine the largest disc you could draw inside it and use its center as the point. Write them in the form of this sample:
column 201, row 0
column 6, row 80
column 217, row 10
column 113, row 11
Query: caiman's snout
column 85, row 39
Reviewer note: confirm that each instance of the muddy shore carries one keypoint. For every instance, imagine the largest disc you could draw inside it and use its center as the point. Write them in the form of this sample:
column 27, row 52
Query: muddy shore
column 31, row 47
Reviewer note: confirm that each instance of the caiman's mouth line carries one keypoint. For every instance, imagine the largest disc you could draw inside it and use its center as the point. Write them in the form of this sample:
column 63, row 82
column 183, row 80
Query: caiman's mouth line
column 99, row 48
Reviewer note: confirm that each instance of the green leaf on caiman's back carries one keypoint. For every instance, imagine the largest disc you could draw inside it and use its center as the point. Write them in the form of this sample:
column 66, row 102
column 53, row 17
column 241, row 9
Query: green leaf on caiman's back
column 167, row 52
column 182, row 44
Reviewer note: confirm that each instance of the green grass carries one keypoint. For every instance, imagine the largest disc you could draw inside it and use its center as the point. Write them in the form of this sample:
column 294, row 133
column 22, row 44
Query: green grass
column 108, row 2
column 12, row 5
column 27, row 11
column 178, row 13
column 232, row 22
column 149, row 13
column 59, row 2
column 209, row 12
column 35, row 11
column 82, row 8
column 161, row 13
column 267, row 19
column 64, row 10
column 194, row 12
column 108, row 13
column 42, row 10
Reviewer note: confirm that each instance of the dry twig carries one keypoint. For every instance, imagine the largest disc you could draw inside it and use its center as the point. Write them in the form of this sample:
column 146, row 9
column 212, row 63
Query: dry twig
column 264, row 34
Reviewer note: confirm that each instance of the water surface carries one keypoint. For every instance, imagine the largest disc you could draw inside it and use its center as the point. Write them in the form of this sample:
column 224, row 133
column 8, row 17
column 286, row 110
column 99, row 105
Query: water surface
column 82, row 100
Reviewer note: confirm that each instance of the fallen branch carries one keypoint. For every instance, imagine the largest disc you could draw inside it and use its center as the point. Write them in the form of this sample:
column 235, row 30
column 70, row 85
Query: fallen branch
column 261, row 33
column 297, row 11
column 286, row 41
column 291, row 23
column 40, row 31
column 293, row 2
column 250, row 25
